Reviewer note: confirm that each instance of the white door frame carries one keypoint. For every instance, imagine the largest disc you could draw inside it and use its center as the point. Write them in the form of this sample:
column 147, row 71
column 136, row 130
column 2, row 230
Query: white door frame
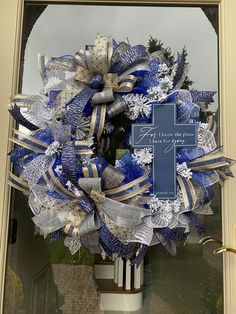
column 11, row 17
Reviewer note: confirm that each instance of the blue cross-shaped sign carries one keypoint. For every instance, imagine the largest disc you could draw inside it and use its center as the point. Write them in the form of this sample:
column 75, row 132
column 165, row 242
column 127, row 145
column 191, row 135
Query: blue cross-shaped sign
column 164, row 135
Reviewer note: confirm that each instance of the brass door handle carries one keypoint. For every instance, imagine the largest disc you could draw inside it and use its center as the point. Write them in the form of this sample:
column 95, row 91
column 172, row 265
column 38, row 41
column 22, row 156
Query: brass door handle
column 224, row 249
column 209, row 239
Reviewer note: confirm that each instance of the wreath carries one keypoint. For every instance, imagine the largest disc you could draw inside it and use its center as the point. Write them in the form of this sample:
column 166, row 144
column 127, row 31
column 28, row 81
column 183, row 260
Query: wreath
column 75, row 161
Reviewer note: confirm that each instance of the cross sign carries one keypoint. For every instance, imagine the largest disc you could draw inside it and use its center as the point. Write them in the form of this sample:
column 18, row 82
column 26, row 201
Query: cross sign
column 164, row 135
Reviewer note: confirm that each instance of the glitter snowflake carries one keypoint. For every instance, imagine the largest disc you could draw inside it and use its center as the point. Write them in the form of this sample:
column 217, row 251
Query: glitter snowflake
column 165, row 208
column 59, row 170
column 159, row 93
column 163, row 69
column 183, row 170
column 143, row 155
column 83, row 128
column 166, row 83
column 138, row 105
column 70, row 186
column 52, row 82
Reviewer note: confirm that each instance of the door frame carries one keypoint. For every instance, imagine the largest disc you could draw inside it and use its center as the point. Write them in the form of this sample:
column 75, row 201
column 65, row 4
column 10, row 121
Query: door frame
column 11, row 18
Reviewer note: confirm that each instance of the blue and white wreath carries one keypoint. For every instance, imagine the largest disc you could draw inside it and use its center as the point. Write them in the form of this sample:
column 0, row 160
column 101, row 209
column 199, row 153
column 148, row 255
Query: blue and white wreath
column 75, row 163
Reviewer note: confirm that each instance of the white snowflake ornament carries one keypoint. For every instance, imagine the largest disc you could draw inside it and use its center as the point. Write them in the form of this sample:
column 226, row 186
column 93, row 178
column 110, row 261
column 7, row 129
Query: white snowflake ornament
column 143, row 155
column 138, row 105
column 183, row 170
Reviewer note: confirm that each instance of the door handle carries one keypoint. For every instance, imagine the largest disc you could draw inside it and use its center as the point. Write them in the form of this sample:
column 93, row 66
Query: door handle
column 223, row 249
column 209, row 239
column 219, row 250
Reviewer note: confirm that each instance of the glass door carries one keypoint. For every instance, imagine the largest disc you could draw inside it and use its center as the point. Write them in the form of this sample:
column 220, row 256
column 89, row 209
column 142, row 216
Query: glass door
column 47, row 275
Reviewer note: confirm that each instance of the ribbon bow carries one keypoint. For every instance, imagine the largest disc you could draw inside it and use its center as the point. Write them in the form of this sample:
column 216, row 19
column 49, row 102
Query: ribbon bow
column 103, row 66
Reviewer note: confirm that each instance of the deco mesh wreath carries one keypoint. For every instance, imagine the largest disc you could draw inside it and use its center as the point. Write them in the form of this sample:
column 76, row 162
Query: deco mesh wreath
column 84, row 180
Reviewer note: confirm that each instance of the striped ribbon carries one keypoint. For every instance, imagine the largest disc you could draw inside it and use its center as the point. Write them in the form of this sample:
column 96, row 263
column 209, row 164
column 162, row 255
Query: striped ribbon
column 209, row 162
column 97, row 121
column 21, row 100
column 30, row 138
column 90, row 171
column 57, row 186
column 126, row 84
column 83, row 147
column 188, row 191
column 29, row 142
column 27, row 146
column 129, row 190
column 117, row 107
column 18, row 183
column 112, row 177
column 224, row 173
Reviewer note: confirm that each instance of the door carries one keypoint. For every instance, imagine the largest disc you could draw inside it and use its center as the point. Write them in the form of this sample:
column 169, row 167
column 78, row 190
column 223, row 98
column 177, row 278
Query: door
column 42, row 277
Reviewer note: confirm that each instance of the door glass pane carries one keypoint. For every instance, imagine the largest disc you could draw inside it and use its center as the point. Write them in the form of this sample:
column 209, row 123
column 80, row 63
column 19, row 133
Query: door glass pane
column 42, row 276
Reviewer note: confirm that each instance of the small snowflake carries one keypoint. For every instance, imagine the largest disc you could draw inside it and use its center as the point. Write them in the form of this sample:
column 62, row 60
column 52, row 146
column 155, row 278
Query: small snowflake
column 166, row 83
column 73, row 189
column 156, row 94
column 163, row 69
column 154, row 204
column 117, row 163
column 83, row 128
column 204, row 126
column 53, row 149
column 183, row 170
column 165, row 208
column 161, row 208
column 59, row 170
column 143, row 155
column 52, row 82
column 137, row 105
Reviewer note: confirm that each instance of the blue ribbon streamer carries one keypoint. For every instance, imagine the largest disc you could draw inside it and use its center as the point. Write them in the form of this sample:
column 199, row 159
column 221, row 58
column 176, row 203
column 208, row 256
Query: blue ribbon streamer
column 130, row 56
column 77, row 105
column 202, row 96
column 111, row 244
column 68, row 160
column 180, row 68
column 16, row 114
column 193, row 218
